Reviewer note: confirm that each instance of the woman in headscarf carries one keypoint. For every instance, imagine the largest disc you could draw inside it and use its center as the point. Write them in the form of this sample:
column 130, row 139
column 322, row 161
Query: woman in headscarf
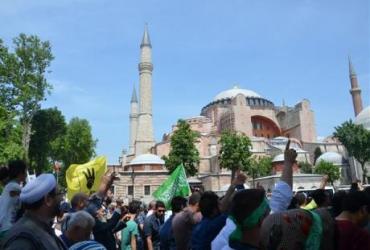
column 298, row 229
column 14, row 175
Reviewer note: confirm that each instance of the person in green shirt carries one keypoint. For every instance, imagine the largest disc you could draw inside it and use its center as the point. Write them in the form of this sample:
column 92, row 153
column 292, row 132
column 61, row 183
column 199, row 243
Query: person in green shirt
column 130, row 232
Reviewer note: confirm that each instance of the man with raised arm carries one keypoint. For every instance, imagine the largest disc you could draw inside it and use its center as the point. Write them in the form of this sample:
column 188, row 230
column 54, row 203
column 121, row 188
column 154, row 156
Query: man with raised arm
column 283, row 193
column 280, row 199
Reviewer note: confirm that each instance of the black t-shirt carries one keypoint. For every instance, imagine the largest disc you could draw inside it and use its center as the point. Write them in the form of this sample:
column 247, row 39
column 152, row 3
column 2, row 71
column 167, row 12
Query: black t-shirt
column 152, row 225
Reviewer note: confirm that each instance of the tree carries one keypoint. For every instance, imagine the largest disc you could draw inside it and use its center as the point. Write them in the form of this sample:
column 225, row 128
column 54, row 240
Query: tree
column 235, row 152
column 10, row 133
column 183, row 149
column 317, row 154
column 356, row 139
column 260, row 166
column 77, row 146
column 26, row 69
column 329, row 169
column 305, row 167
column 47, row 126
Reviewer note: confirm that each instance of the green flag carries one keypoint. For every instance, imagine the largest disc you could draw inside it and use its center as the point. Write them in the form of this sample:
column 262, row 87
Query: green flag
column 175, row 185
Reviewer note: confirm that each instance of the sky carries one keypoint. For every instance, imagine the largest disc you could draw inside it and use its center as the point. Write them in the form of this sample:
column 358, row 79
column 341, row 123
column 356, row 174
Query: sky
column 283, row 50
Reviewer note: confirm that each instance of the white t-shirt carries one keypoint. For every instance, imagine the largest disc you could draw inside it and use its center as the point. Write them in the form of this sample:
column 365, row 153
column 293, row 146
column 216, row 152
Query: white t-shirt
column 222, row 239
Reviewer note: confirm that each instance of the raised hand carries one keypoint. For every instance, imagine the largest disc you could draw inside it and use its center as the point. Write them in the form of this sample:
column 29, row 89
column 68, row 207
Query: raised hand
column 90, row 178
column 240, row 179
column 106, row 182
column 290, row 154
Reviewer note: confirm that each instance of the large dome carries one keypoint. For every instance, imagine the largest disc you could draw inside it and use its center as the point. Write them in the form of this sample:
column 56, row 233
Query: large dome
column 364, row 118
column 332, row 157
column 147, row 159
column 231, row 93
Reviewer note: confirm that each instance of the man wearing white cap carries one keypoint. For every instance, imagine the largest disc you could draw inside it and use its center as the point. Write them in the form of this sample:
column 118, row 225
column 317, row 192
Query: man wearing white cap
column 41, row 200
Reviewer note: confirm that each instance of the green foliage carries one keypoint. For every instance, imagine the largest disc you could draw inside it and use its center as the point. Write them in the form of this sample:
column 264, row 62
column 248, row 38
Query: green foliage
column 22, row 80
column 260, row 166
column 32, row 57
column 10, row 130
column 75, row 147
column 25, row 130
column 356, row 139
column 317, row 154
column 305, row 167
column 329, row 169
column 10, row 142
column 183, row 149
column 235, row 152
column 47, row 126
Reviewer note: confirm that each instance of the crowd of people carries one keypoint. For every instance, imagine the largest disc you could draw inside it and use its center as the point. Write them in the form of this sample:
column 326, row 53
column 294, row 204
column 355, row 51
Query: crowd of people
column 35, row 216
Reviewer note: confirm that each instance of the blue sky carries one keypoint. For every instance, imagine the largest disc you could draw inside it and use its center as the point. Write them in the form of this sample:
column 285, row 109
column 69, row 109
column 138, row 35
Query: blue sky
column 288, row 49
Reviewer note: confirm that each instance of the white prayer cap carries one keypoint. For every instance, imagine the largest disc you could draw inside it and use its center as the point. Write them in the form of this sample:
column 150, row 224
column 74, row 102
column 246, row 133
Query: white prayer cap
column 38, row 188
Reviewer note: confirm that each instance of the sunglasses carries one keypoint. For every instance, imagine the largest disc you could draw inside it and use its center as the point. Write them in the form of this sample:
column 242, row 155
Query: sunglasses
column 161, row 210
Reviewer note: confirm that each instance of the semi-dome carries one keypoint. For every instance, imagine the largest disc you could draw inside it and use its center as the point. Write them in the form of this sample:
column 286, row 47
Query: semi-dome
column 301, row 157
column 363, row 118
column 332, row 157
column 278, row 158
column 231, row 93
column 147, row 159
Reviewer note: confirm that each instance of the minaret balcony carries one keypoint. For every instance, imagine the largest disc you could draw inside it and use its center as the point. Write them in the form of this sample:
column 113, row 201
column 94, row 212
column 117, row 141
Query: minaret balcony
column 145, row 66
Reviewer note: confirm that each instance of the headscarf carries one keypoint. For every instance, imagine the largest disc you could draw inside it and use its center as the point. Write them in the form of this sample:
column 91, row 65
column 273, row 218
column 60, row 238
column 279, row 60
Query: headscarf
column 9, row 205
column 250, row 221
column 298, row 229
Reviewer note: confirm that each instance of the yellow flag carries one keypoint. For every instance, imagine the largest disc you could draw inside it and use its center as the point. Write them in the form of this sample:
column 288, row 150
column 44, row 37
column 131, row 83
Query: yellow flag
column 85, row 177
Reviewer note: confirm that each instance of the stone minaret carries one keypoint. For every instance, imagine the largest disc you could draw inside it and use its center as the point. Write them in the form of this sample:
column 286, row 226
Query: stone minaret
column 355, row 89
column 134, row 112
column 145, row 139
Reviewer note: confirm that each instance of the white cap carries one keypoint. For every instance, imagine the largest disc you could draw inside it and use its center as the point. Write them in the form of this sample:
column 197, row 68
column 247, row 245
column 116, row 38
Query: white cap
column 38, row 188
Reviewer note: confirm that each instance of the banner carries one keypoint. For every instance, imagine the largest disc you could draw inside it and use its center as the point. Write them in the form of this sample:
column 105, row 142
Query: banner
column 85, row 177
column 175, row 185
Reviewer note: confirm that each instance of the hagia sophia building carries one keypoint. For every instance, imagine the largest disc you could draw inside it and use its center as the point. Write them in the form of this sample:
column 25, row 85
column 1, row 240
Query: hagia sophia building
column 141, row 169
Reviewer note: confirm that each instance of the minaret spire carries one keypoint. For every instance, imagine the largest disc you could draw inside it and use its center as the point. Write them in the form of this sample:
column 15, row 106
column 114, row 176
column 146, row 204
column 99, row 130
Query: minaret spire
column 133, row 96
column 355, row 89
column 134, row 112
column 146, row 38
column 145, row 134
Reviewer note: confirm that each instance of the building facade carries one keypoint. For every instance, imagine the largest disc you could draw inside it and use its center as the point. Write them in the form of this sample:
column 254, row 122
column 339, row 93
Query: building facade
column 267, row 125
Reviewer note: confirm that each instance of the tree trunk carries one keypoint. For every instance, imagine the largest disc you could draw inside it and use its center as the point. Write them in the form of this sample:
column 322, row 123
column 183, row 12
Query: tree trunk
column 232, row 175
column 26, row 137
column 234, row 172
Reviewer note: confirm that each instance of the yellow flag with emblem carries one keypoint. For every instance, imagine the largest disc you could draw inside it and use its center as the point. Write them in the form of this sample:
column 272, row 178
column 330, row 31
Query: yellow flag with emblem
column 85, row 177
